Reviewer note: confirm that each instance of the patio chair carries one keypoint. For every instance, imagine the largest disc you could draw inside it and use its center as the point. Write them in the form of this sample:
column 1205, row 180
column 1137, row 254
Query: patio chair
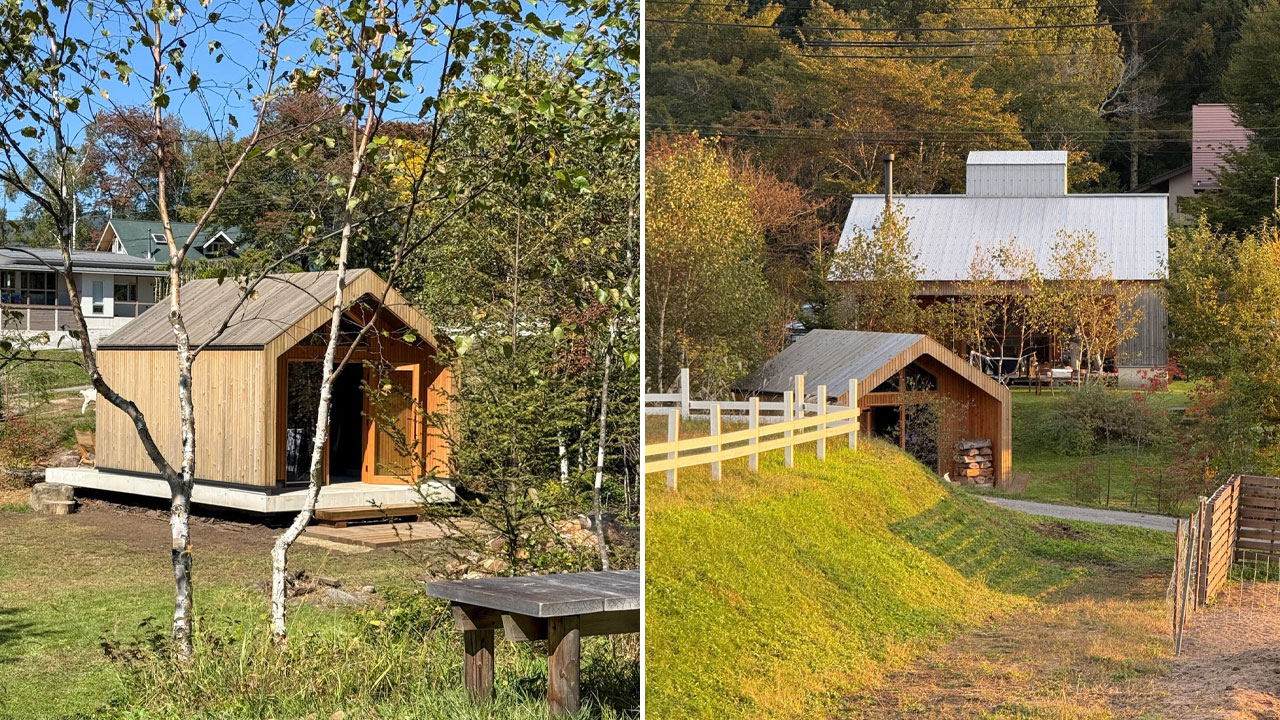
column 86, row 443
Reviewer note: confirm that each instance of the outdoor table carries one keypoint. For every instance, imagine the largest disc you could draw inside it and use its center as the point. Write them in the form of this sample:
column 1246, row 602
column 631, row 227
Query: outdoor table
column 560, row 609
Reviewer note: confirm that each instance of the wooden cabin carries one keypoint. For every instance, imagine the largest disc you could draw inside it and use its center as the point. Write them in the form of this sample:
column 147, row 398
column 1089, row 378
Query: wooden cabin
column 256, row 386
column 896, row 371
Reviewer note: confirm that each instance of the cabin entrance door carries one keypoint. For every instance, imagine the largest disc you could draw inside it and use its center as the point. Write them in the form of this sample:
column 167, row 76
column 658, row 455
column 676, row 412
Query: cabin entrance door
column 393, row 408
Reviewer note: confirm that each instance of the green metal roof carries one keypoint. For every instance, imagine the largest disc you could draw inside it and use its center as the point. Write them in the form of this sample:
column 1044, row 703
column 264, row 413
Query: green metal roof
column 137, row 237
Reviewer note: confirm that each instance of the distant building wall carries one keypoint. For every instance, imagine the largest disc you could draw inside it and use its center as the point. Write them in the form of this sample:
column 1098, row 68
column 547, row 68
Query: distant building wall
column 1214, row 132
column 994, row 180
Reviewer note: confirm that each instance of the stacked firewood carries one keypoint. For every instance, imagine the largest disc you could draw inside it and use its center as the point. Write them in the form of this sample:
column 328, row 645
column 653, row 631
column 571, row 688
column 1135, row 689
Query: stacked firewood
column 974, row 463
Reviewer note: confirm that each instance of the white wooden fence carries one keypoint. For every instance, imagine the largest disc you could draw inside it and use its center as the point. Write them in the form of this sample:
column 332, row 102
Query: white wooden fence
column 787, row 423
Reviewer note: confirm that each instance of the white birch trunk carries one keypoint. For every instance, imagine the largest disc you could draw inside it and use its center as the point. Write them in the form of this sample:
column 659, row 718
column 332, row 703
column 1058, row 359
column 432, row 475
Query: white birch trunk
column 604, row 414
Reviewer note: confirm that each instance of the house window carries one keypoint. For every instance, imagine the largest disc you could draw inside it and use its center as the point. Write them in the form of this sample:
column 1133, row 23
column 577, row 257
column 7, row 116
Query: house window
column 99, row 297
column 8, row 287
column 30, row 288
column 126, row 291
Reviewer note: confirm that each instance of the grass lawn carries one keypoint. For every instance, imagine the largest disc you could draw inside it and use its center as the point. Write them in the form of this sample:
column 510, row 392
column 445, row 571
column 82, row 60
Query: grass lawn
column 50, row 375
column 69, row 583
column 784, row 594
column 1035, row 453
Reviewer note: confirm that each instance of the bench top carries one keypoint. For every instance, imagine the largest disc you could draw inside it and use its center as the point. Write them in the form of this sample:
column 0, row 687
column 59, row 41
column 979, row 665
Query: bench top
column 544, row 596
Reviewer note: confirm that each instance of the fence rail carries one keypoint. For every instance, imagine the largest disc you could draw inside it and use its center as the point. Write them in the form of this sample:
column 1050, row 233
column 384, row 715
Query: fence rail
column 791, row 426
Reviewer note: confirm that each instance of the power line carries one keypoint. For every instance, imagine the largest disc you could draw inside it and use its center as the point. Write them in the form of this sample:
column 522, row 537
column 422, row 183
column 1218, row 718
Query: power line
column 834, row 28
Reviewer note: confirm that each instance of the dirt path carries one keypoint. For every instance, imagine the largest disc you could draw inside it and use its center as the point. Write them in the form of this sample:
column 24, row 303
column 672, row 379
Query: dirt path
column 1086, row 654
column 1229, row 668
column 1096, row 515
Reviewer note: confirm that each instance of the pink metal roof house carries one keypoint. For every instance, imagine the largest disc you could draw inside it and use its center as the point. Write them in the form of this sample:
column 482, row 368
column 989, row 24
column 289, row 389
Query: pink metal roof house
column 1214, row 132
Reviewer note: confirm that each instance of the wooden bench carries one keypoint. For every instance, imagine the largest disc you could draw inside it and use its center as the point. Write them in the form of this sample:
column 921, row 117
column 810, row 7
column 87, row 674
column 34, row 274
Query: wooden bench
column 561, row 609
column 339, row 517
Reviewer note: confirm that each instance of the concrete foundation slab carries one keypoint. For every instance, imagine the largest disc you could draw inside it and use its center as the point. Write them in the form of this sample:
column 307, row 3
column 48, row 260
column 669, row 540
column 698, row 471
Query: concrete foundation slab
column 331, row 496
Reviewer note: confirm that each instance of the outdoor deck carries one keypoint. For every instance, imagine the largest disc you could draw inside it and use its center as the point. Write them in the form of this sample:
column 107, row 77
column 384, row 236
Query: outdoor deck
column 251, row 500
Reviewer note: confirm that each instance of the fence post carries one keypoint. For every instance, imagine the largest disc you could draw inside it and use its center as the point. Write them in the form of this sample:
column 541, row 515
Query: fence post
column 1202, row 551
column 799, row 381
column 684, row 392
column 1177, row 571
column 1186, row 584
column 715, row 430
column 822, row 411
column 853, row 424
column 673, row 434
column 788, row 410
column 753, row 422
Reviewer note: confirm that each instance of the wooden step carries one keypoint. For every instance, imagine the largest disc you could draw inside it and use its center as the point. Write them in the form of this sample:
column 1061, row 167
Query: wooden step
column 339, row 517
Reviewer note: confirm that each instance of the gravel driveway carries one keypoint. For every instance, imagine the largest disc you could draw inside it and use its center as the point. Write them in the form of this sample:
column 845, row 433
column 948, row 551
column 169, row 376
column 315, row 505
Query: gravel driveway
column 1068, row 512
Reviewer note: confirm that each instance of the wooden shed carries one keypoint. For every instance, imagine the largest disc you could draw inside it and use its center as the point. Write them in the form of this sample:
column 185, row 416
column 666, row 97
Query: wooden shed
column 895, row 372
column 255, row 387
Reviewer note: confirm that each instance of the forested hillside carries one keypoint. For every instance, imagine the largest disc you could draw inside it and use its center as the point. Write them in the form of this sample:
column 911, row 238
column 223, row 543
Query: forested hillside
column 764, row 118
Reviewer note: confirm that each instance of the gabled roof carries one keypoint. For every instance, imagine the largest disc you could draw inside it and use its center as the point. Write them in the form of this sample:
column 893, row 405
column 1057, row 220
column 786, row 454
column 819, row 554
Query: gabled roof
column 834, row 357
column 12, row 258
column 945, row 230
column 137, row 237
column 295, row 304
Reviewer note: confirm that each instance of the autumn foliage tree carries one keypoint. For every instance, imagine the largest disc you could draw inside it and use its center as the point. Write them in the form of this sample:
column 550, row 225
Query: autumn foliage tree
column 707, row 299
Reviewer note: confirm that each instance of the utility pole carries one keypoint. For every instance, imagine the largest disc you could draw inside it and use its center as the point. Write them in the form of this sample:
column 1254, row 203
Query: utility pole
column 1275, row 193
column 888, row 180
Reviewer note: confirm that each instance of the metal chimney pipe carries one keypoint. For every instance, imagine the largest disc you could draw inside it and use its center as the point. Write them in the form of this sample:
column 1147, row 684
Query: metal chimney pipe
column 888, row 180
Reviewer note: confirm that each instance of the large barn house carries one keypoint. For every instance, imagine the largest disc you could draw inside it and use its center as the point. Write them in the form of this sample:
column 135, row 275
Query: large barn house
column 255, row 390
column 1022, row 195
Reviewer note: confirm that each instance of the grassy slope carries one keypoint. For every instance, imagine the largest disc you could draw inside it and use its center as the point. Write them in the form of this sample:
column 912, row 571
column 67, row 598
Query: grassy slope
column 66, row 585
column 780, row 594
column 1035, row 452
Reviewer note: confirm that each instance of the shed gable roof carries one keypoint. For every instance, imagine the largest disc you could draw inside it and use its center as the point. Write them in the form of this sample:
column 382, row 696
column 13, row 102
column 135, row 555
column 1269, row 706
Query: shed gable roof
column 834, row 357
column 280, row 303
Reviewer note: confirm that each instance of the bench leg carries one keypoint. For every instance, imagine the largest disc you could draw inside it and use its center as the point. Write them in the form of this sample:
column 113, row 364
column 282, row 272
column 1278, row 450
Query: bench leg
column 478, row 664
column 564, row 663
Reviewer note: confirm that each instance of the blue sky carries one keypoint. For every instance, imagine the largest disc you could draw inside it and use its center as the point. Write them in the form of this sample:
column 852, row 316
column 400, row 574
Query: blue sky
column 226, row 57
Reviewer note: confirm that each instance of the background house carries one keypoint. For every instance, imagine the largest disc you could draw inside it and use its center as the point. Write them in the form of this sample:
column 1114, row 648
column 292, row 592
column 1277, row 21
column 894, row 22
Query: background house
column 145, row 239
column 1215, row 132
column 113, row 289
column 1023, row 196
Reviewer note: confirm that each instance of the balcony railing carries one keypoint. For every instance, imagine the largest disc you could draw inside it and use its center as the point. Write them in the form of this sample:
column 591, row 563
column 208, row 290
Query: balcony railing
column 57, row 317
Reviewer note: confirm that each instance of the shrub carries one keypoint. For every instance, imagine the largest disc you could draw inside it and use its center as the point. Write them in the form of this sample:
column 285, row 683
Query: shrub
column 1093, row 417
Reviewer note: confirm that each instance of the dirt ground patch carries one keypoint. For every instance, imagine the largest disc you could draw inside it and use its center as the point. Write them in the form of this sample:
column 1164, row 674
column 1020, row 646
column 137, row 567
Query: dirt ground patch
column 1075, row 655
column 1229, row 668
column 1060, row 531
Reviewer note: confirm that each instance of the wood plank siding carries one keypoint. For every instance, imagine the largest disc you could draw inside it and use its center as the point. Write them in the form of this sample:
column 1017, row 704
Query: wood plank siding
column 228, row 392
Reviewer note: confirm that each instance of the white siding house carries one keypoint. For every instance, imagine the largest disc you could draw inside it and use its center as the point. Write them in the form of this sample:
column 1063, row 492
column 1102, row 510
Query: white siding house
column 113, row 290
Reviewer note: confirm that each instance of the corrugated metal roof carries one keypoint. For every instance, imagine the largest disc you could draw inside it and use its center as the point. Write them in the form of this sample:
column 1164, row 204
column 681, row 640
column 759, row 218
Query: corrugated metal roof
column 1131, row 229
column 828, row 357
column 82, row 261
column 1017, row 157
column 279, row 303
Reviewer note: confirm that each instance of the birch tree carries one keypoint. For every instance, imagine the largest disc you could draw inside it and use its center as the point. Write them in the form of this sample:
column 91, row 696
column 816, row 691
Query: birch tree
column 480, row 90
column 53, row 74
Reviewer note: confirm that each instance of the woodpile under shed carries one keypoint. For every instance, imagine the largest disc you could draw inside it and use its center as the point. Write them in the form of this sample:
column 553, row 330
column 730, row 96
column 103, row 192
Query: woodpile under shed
column 973, row 463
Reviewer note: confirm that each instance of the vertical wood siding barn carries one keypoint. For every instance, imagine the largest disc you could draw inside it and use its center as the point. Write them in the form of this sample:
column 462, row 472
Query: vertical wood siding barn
column 973, row 406
column 241, row 381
